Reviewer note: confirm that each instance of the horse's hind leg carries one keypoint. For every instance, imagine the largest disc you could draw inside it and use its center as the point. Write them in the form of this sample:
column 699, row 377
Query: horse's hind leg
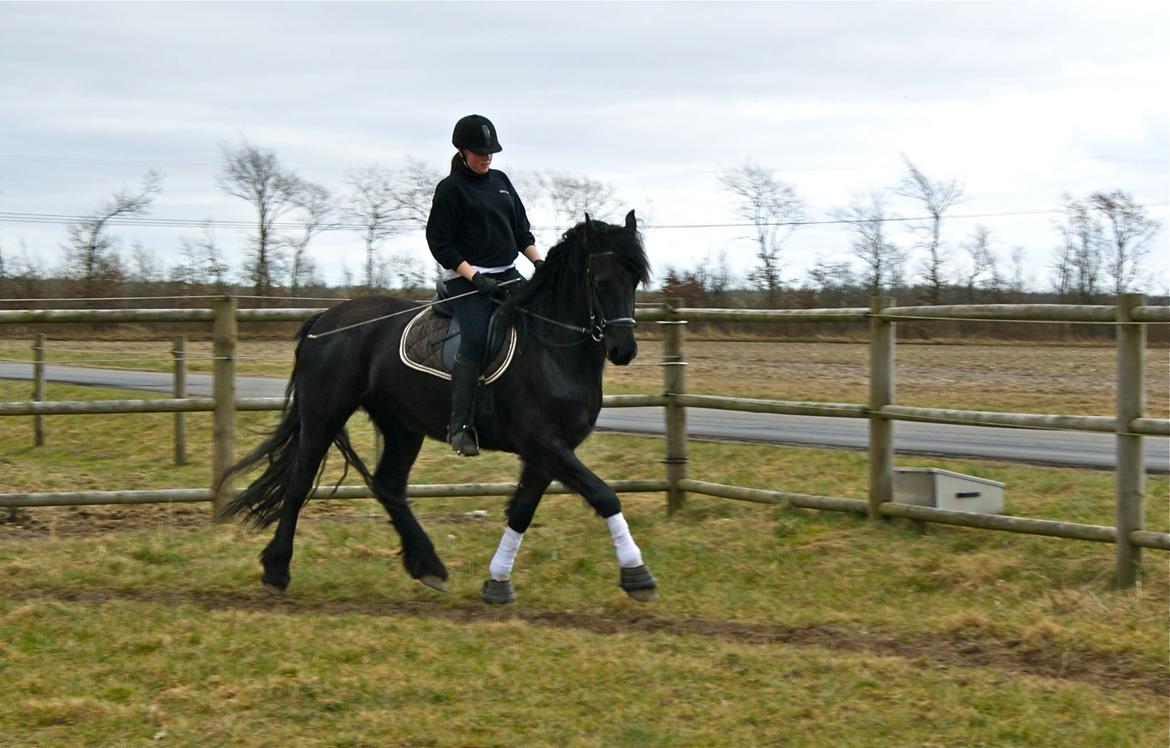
column 400, row 449
column 312, row 446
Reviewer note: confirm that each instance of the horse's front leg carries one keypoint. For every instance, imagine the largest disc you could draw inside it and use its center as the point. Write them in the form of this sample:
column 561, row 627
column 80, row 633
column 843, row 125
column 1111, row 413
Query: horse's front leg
column 497, row 588
column 635, row 579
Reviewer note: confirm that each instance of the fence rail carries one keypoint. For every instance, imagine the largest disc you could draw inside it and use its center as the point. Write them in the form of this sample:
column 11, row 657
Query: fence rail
column 1130, row 424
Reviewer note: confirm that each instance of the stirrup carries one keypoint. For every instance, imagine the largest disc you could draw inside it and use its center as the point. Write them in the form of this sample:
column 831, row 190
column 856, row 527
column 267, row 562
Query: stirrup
column 465, row 442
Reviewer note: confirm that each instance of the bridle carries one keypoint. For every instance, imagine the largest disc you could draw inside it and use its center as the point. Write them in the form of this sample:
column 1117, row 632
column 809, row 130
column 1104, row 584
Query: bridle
column 598, row 323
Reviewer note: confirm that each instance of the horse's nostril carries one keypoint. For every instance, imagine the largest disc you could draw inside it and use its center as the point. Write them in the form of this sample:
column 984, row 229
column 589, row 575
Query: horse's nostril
column 622, row 355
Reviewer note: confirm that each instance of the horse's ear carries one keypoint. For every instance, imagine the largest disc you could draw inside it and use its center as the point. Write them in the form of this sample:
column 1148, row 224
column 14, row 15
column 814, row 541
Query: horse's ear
column 631, row 221
column 590, row 229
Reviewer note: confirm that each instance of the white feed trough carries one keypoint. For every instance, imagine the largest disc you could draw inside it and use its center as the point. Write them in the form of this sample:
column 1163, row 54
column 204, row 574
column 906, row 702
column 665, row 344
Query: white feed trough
column 943, row 489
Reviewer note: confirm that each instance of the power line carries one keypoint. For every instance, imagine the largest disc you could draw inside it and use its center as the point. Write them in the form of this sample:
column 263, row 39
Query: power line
column 144, row 221
column 409, row 225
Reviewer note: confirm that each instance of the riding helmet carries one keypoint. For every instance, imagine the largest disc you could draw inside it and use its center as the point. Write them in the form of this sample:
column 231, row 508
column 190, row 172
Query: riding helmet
column 476, row 133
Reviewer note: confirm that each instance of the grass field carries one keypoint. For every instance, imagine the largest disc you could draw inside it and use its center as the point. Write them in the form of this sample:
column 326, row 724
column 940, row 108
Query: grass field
column 134, row 625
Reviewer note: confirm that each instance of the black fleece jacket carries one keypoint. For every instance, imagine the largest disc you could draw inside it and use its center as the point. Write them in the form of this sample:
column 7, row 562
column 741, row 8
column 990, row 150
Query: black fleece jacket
column 478, row 218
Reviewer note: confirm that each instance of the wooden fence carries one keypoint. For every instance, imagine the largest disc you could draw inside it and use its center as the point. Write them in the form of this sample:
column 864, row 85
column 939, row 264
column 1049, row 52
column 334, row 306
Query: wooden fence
column 1130, row 424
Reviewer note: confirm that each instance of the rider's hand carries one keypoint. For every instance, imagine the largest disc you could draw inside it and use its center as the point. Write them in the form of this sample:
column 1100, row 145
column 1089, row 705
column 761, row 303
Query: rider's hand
column 485, row 285
column 536, row 265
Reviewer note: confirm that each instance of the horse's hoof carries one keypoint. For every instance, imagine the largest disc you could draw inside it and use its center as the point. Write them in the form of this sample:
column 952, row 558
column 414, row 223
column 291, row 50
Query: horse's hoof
column 274, row 590
column 639, row 584
column 433, row 582
column 496, row 592
column 643, row 596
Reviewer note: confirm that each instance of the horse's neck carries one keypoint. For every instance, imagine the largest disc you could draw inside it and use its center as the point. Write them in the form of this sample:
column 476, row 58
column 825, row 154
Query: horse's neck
column 567, row 306
column 572, row 350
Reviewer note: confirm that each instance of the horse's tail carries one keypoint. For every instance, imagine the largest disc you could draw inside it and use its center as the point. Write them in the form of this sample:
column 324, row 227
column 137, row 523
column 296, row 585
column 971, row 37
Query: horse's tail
column 262, row 501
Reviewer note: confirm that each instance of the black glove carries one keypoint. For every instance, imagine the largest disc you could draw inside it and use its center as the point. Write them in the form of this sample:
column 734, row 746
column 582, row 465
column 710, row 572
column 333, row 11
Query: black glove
column 486, row 286
column 536, row 265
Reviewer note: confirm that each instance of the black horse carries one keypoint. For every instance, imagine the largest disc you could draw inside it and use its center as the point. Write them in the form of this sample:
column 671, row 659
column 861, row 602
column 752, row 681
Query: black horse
column 575, row 312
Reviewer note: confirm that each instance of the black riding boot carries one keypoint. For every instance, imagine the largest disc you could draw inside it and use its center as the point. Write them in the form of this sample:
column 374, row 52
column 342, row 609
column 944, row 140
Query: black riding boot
column 464, row 383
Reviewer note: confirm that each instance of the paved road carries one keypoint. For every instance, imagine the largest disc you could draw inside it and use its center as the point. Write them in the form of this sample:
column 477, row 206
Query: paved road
column 1070, row 448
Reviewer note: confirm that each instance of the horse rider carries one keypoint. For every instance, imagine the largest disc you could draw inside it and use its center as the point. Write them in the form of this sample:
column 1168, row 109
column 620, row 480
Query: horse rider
column 476, row 229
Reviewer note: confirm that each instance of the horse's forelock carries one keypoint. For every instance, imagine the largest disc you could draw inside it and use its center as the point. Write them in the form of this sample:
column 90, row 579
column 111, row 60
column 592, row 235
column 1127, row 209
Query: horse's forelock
column 627, row 245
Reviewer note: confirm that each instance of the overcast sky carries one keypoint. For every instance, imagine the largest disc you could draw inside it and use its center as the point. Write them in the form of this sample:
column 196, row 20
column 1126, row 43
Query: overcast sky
column 1021, row 102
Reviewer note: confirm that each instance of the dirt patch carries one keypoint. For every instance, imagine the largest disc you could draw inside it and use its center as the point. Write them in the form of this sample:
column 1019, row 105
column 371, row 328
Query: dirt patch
column 83, row 521
column 936, row 650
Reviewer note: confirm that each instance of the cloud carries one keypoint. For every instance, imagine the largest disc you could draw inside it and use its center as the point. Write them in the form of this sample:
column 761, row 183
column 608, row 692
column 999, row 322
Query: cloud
column 1020, row 101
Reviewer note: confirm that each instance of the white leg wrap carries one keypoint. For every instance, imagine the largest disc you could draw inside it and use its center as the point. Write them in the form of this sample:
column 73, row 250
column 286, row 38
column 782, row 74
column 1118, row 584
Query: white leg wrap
column 501, row 566
column 628, row 554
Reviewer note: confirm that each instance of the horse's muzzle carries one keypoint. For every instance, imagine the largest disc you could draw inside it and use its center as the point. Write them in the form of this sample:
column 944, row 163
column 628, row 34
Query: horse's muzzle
column 621, row 351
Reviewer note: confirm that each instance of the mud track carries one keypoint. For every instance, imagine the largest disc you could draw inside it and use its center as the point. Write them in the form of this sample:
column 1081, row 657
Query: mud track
column 943, row 651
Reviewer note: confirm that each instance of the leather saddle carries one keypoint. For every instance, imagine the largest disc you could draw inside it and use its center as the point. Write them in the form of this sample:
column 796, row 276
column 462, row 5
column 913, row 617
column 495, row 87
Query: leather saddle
column 431, row 340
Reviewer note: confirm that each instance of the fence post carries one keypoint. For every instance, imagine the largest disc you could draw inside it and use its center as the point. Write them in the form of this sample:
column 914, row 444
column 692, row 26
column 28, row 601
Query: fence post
column 881, row 393
column 225, row 336
column 180, row 391
column 39, row 387
column 1131, row 404
column 675, row 415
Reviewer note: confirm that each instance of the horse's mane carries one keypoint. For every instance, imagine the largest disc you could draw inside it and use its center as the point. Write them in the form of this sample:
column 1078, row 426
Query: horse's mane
column 565, row 262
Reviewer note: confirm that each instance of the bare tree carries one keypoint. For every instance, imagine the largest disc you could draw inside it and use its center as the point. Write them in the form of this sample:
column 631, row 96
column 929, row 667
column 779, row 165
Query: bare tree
column 717, row 277
column 833, row 280
column 573, row 196
column 411, row 275
column 773, row 209
column 374, row 207
column 984, row 270
column 4, row 270
column 25, row 274
column 3, row 274
column 416, row 191
column 316, row 209
column 1128, row 231
column 188, row 270
column 90, row 255
column 880, row 258
column 1063, row 266
column 145, row 266
column 936, row 197
column 257, row 176
column 215, row 269
column 202, row 263
column 1077, row 260
column 1018, row 282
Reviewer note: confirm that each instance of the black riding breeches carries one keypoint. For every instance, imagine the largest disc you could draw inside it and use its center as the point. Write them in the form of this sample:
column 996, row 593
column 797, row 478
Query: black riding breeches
column 474, row 312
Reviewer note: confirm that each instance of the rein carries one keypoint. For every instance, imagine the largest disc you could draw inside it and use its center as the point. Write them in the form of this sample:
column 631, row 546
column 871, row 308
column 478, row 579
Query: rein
column 414, row 310
column 598, row 324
